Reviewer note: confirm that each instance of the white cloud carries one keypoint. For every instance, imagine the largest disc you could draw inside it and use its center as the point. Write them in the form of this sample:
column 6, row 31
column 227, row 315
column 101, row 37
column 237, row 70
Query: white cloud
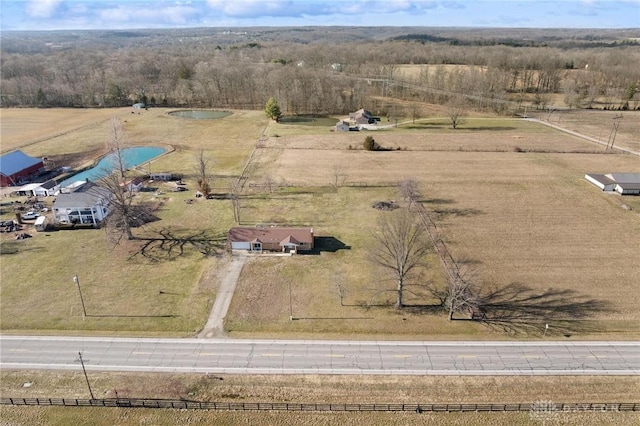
column 177, row 15
column 42, row 8
column 298, row 8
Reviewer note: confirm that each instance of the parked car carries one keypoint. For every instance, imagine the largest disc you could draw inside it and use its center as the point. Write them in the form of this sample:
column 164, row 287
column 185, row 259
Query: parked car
column 30, row 215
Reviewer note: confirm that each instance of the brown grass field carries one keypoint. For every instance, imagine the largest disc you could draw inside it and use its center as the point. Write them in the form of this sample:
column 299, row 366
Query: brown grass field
column 508, row 195
column 526, row 217
column 310, row 389
column 124, row 291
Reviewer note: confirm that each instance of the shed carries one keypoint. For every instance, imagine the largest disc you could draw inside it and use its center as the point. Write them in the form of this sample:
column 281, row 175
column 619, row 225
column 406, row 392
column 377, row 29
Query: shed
column 622, row 183
column 46, row 189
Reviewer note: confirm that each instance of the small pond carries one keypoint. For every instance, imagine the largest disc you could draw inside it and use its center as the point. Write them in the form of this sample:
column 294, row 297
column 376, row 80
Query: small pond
column 307, row 120
column 199, row 114
column 133, row 156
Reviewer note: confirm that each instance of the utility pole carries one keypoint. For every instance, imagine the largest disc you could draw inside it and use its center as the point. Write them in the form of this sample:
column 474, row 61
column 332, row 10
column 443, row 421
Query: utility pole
column 85, row 374
column 614, row 131
column 84, row 310
column 290, row 304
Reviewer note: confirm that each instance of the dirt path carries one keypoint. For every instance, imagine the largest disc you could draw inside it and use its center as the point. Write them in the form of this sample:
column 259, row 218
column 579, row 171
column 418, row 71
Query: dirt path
column 214, row 326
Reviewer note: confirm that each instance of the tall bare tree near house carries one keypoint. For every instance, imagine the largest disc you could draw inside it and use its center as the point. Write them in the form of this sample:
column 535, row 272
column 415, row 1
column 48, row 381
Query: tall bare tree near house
column 234, row 194
column 456, row 111
column 203, row 180
column 122, row 213
column 399, row 247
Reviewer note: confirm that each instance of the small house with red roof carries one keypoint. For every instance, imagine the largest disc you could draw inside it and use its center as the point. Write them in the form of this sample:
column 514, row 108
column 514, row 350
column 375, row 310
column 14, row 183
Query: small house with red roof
column 271, row 239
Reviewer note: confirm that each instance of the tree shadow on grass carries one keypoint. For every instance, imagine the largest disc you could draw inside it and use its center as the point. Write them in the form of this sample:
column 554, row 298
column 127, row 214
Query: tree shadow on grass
column 519, row 308
column 442, row 213
column 436, row 201
column 489, row 128
column 132, row 316
column 171, row 244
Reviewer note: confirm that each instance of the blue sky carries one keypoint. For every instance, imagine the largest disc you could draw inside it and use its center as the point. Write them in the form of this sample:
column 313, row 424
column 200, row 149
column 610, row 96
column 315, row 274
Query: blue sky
column 126, row 14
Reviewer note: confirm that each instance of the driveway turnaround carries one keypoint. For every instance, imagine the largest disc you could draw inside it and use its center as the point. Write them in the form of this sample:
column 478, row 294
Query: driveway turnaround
column 320, row 357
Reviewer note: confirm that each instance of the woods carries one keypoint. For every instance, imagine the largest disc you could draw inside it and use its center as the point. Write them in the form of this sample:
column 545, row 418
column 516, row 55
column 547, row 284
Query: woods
column 317, row 72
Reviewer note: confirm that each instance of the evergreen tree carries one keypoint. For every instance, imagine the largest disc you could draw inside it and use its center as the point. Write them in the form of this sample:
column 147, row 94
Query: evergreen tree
column 272, row 109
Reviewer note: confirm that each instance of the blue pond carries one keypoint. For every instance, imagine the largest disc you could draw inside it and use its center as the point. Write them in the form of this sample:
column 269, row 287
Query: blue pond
column 131, row 156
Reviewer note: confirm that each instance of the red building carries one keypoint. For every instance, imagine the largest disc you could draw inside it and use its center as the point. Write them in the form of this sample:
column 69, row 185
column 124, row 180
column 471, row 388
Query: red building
column 17, row 166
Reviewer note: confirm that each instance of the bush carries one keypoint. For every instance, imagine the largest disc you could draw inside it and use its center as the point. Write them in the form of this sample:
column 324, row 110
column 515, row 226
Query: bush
column 370, row 144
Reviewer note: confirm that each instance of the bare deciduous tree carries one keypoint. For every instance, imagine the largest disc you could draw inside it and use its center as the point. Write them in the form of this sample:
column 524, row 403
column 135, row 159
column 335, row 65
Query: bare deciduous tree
column 456, row 111
column 338, row 177
column 203, row 180
column 462, row 295
column 123, row 213
column 234, row 193
column 269, row 182
column 409, row 190
column 340, row 287
column 400, row 246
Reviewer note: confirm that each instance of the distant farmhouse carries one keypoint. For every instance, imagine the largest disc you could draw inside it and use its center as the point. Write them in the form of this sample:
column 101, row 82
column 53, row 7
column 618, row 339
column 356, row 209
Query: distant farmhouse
column 88, row 204
column 271, row 239
column 342, row 126
column 16, row 167
column 622, row 183
column 362, row 116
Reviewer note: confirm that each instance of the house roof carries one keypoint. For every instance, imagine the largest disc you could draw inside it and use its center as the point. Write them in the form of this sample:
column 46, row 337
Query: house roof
column 88, row 195
column 361, row 113
column 601, row 178
column 629, row 186
column 51, row 183
column 289, row 241
column 16, row 161
column 282, row 236
column 28, row 187
column 622, row 179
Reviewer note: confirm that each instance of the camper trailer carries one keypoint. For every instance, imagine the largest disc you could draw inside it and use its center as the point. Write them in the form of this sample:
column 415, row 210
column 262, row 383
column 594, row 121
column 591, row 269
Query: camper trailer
column 41, row 224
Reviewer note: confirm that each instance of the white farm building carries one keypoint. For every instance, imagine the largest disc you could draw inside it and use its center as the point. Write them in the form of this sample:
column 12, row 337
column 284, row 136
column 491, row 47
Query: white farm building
column 622, row 183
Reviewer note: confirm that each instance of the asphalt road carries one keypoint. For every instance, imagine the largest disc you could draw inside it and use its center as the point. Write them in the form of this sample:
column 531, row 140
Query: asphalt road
column 320, row 357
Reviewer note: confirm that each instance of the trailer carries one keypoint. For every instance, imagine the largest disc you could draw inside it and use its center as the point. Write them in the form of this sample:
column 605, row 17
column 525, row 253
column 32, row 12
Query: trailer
column 41, row 223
